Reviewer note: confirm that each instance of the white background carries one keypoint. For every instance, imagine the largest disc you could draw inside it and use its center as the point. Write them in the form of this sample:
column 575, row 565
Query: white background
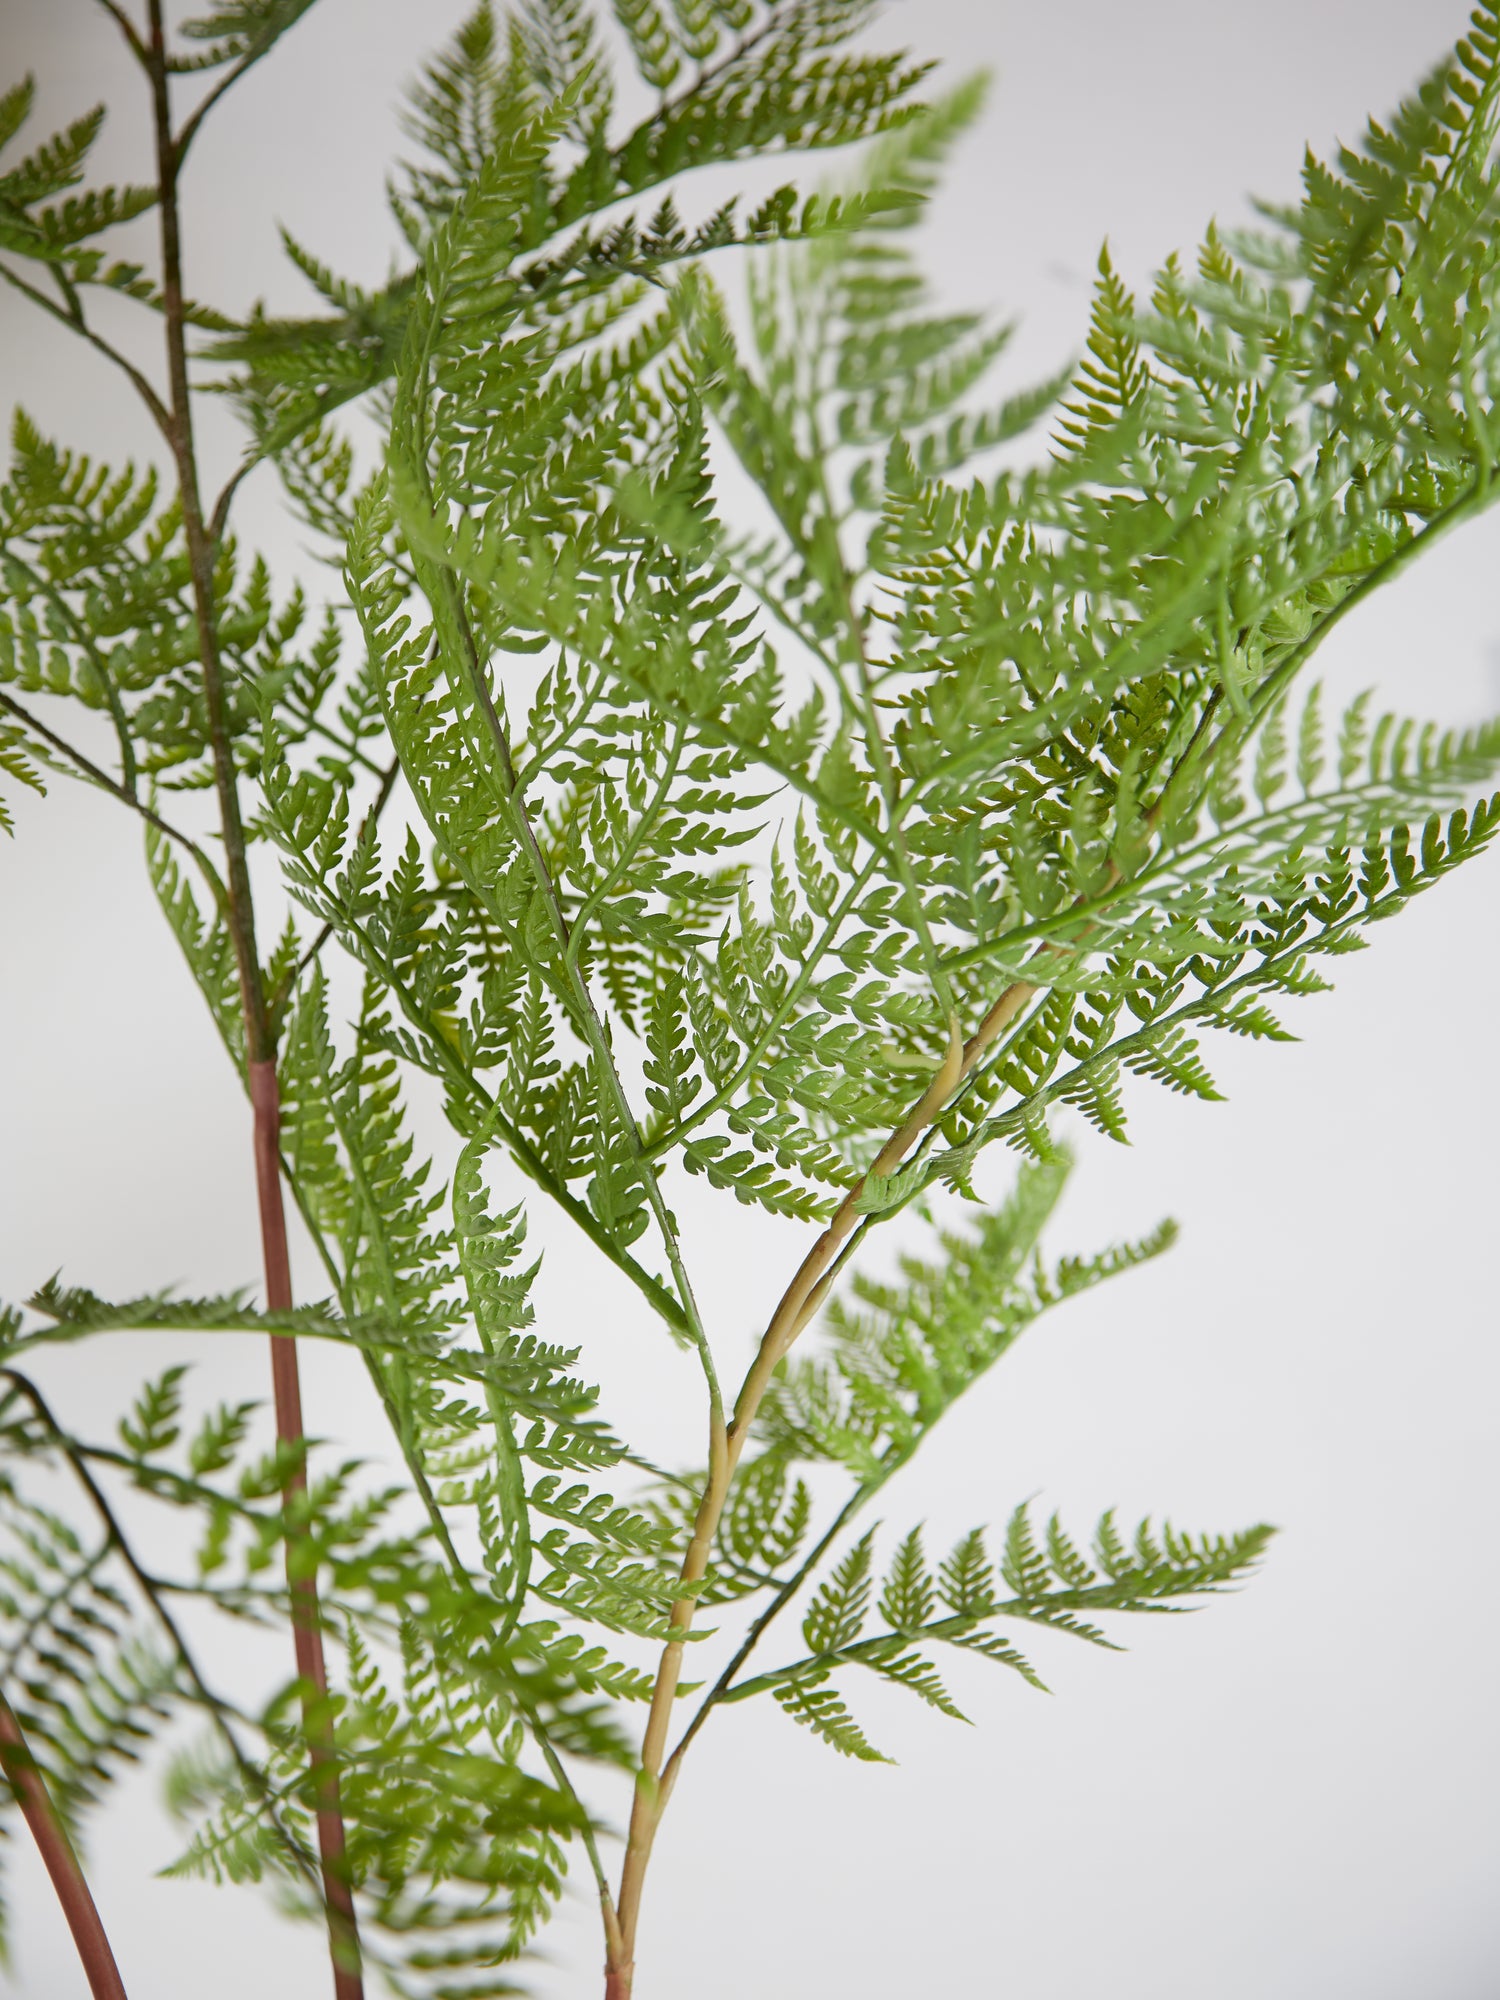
column 1291, row 1796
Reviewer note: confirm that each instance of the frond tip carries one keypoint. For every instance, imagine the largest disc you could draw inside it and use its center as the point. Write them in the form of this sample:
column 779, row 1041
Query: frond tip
column 1047, row 1581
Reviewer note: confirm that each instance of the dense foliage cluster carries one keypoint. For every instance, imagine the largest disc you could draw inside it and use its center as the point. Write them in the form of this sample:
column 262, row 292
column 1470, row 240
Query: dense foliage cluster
column 807, row 845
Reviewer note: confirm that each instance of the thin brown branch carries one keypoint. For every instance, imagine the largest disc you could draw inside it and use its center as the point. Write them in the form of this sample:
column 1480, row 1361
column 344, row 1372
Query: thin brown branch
column 87, row 768
column 127, row 28
column 77, row 324
column 240, row 915
column 307, row 1638
column 193, row 124
column 260, row 1048
column 62, row 1864
column 219, row 520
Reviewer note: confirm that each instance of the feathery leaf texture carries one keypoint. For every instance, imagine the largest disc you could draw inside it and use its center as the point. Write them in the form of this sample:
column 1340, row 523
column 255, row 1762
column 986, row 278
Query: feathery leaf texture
column 949, row 786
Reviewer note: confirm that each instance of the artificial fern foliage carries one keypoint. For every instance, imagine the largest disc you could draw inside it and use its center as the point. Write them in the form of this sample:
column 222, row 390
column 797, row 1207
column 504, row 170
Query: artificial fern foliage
column 803, row 846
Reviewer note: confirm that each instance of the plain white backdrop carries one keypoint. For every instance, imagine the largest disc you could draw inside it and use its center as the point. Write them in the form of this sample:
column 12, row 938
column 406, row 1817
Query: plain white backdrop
column 1291, row 1796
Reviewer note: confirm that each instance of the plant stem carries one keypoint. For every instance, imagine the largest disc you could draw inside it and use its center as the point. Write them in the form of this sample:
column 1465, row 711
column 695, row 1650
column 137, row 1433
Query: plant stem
column 260, row 1050
column 307, row 1634
column 798, row 1304
column 87, row 768
column 773, row 1610
column 75, row 323
column 152, row 1589
column 59, row 1859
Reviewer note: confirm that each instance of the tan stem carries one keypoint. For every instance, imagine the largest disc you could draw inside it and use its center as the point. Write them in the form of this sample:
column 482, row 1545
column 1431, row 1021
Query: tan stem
column 798, row 1304
column 59, row 1859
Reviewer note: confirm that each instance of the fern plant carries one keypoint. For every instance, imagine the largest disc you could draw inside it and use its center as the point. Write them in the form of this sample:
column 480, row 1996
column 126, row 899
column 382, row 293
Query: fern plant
column 954, row 773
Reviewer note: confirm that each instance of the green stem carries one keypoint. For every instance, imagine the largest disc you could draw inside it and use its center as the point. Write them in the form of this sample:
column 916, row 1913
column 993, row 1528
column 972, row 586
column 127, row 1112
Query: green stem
column 464, row 1084
column 589, row 1018
column 720, row 1691
column 84, row 639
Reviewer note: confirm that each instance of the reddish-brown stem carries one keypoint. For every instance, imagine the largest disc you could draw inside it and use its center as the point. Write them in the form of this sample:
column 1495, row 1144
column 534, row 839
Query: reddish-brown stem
column 260, row 1045
column 59, row 1859
column 307, row 1635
